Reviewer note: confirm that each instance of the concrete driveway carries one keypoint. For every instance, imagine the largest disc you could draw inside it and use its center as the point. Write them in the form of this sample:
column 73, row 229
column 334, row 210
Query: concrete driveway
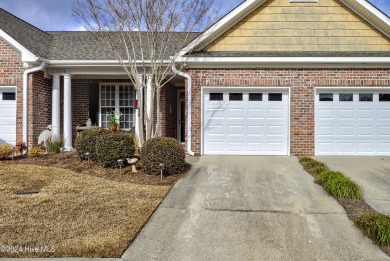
column 372, row 174
column 250, row 208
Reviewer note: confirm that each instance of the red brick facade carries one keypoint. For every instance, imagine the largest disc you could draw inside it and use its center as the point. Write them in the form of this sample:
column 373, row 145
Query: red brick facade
column 302, row 83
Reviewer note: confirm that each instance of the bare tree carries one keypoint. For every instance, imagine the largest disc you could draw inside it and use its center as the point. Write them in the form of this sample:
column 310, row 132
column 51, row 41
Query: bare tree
column 143, row 34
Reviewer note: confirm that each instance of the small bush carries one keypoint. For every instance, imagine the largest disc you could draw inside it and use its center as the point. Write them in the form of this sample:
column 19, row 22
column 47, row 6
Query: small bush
column 325, row 176
column 53, row 146
column 35, row 152
column 113, row 146
column 376, row 226
column 162, row 150
column 86, row 142
column 5, row 151
column 311, row 164
column 339, row 186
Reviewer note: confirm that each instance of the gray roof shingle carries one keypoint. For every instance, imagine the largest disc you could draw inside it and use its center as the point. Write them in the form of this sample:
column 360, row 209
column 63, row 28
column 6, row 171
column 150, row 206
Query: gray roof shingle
column 32, row 38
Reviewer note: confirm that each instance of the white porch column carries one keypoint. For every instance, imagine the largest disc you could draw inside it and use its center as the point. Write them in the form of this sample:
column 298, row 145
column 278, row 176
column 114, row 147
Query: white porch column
column 67, row 112
column 55, row 107
column 139, row 99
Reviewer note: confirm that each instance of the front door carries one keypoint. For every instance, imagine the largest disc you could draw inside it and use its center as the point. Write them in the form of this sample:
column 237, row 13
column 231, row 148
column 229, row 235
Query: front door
column 181, row 116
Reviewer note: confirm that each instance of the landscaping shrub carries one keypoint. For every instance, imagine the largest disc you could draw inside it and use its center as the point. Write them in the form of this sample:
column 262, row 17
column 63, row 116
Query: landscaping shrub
column 311, row 164
column 21, row 147
column 53, row 146
column 339, row 186
column 35, row 152
column 86, row 142
column 5, row 151
column 162, row 150
column 376, row 226
column 325, row 176
column 113, row 146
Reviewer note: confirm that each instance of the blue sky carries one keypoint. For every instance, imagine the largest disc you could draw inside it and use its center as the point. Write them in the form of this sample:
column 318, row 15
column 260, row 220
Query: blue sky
column 55, row 15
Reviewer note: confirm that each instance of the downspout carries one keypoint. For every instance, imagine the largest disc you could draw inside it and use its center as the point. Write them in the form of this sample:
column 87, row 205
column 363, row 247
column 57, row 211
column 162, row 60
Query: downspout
column 25, row 98
column 189, row 101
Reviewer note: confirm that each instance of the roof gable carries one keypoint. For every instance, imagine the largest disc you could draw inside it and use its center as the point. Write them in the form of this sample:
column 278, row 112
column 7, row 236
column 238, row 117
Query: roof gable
column 279, row 25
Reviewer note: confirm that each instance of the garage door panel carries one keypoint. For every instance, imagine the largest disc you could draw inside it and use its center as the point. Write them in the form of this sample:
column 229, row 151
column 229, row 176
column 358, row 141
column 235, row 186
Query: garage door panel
column 255, row 130
column 384, row 147
column 365, row 131
column 384, row 115
column 345, row 131
column 365, row 147
column 235, row 113
column 235, row 130
column 255, row 114
column 384, row 131
column 365, row 114
column 325, row 114
column 357, row 128
column 245, row 127
column 344, row 114
column 275, row 114
column 325, row 130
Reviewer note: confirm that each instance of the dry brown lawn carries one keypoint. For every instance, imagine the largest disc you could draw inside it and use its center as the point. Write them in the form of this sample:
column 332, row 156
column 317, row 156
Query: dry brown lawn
column 72, row 215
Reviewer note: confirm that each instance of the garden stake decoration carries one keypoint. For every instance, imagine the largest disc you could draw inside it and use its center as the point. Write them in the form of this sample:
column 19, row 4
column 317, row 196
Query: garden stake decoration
column 88, row 155
column 120, row 163
column 161, row 170
column 62, row 153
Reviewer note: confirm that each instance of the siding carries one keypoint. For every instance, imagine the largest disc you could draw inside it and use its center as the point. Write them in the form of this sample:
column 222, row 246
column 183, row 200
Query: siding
column 279, row 25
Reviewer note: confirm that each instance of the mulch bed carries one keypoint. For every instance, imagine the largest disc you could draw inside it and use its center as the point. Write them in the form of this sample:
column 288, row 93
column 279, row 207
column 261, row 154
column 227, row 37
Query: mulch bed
column 71, row 161
column 353, row 207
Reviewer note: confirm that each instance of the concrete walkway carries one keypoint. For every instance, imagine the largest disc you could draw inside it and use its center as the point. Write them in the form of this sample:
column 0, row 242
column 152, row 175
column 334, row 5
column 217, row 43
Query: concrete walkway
column 372, row 174
column 250, row 208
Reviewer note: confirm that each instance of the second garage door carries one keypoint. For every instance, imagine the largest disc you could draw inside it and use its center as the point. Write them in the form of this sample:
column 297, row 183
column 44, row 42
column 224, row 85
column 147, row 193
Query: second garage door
column 245, row 121
column 353, row 122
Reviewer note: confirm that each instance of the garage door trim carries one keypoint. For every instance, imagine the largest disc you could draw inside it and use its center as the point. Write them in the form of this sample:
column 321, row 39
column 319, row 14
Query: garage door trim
column 245, row 88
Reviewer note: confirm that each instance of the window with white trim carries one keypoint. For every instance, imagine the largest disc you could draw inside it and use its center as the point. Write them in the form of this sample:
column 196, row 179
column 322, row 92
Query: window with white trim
column 119, row 97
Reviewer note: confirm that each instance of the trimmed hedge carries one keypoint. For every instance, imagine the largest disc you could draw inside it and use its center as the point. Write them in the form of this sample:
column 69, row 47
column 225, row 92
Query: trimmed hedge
column 376, row 226
column 113, row 146
column 86, row 142
column 164, row 150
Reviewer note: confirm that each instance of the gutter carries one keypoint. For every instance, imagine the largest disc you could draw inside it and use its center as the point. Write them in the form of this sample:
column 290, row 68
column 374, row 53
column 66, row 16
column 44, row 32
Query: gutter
column 25, row 98
column 189, row 95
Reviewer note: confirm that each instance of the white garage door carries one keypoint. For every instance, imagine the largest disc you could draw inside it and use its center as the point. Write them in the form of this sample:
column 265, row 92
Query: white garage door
column 352, row 122
column 7, row 115
column 245, row 121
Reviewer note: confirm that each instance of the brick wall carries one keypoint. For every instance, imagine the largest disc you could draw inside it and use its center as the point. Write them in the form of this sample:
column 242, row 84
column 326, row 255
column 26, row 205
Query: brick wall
column 302, row 83
column 11, row 74
column 40, row 89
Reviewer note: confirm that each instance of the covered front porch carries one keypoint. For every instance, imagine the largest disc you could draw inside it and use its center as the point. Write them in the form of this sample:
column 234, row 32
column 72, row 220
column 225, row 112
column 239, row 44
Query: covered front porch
column 78, row 96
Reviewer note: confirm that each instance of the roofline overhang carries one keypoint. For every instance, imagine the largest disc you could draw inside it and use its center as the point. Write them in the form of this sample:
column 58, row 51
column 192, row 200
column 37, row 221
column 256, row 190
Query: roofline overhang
column 285, row 62
column 96, row 63
column 27, row 56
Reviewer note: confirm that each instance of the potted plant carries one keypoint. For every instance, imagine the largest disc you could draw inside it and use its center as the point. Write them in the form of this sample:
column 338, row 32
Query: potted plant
column 113, row 121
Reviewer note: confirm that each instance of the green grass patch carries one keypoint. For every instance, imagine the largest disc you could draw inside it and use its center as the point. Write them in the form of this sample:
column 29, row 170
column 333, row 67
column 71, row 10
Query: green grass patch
column 376, row 226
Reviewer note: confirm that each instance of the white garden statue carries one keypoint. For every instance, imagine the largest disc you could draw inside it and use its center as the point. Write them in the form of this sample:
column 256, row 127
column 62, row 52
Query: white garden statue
column 45, row 135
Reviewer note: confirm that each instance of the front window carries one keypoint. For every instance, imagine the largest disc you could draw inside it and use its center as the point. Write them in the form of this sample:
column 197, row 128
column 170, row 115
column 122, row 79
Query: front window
column 117, row 97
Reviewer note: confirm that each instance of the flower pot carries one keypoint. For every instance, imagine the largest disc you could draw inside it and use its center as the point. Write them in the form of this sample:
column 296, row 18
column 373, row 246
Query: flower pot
column 112, row 127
